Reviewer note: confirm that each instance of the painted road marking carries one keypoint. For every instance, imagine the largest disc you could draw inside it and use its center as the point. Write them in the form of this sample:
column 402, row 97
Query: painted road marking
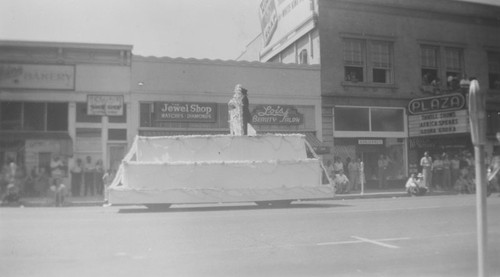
column 365, row 240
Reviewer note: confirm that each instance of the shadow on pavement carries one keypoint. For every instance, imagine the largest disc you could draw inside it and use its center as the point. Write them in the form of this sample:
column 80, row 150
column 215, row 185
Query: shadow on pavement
column 175, row 209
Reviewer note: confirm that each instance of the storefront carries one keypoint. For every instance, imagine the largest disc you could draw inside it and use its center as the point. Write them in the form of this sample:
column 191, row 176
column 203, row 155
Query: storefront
column 62, row 101
column 34, row 129
column 370, row 133
column 191, row 96
column 438, row 125
column 166, row 118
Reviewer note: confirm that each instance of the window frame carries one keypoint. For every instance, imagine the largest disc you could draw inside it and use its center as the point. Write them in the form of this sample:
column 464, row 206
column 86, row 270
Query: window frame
column 361, row 63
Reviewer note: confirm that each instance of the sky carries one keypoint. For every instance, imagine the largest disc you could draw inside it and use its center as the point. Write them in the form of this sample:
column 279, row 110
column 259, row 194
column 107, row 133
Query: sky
column 212, row 29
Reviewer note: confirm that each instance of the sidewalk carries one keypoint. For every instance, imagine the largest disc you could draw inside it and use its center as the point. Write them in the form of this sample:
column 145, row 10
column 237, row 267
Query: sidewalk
column 99, row 199
column 81, row 201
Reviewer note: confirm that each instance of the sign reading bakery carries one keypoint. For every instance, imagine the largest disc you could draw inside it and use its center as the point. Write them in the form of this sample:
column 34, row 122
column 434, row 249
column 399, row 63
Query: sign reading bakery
column 185, row 112
column 36, row 76
column 276, row 115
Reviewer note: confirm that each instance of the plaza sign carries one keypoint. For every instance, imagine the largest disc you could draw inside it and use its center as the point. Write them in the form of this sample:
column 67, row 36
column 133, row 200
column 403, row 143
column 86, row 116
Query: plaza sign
column 447, row 102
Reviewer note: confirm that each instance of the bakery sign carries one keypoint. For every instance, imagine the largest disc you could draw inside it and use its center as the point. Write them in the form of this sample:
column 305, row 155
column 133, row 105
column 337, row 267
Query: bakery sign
column 37, row 76
column 276, row 115
column 186, row 112
column 447, row 122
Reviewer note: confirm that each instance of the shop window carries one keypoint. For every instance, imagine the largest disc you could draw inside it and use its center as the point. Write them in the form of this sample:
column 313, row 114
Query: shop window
column 117, row 134
column 494, row 70
column 352, row 119
column 387, row 120
column 11, row 115
column 57, row 117
column 119, row 119
column 34, row 116
column 303, row 56
column 82, row 116
column 146, row 114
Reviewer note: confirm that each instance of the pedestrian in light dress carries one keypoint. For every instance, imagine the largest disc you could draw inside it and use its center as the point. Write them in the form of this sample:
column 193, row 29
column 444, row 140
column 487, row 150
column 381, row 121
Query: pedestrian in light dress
column 354, row 167
column 426, row 164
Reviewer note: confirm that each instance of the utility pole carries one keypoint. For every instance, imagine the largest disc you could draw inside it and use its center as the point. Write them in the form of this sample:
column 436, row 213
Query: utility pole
column 477, row 117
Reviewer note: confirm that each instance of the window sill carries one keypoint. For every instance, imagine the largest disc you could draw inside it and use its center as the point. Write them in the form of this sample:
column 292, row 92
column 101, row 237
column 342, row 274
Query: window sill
column 368, row 85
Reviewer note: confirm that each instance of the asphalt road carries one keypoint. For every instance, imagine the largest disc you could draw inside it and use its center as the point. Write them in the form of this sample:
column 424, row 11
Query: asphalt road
column 419, row 236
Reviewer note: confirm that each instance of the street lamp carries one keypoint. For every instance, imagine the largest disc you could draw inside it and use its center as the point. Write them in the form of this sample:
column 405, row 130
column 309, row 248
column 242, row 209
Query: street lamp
column 477, row 117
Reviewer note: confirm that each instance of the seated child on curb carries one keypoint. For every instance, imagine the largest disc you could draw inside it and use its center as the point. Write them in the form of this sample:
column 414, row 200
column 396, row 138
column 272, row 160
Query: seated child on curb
column 415, row 185
column 59, row 190
column 341, row 182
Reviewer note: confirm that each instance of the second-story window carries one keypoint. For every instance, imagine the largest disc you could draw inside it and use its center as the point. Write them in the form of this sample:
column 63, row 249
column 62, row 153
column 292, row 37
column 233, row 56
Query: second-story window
column 381, row 62
column 368, row 61
column 354, row 60
column 430, row 68
column 454, row 68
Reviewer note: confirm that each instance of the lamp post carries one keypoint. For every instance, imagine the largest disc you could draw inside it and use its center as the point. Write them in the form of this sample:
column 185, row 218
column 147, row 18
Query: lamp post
column 477, row 117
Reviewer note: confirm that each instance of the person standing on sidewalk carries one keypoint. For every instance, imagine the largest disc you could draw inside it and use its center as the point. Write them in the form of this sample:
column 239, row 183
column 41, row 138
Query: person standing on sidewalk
column 437, row 172
column 446, row 172
column 353, row 168
column 76, row 177
column 383, row 164
column 455, row 169
column 88, row 177
column 426, row 164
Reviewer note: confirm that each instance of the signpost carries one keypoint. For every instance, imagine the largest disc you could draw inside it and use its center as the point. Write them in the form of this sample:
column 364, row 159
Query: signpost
column 477, row 115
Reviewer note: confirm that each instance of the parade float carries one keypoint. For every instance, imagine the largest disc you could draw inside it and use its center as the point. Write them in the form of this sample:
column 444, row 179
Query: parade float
column 268, row 169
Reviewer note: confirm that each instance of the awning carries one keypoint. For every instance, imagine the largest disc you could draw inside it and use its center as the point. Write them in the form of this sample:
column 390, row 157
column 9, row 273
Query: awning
column 24, row 135
column 319, row 147
column 65, row 141
column 163, row 133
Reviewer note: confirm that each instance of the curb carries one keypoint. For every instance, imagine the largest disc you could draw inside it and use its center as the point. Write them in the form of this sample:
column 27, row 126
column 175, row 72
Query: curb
column 93, row 203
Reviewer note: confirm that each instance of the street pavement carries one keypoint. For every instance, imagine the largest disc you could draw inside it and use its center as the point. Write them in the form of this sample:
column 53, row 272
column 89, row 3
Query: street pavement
column 390, row 236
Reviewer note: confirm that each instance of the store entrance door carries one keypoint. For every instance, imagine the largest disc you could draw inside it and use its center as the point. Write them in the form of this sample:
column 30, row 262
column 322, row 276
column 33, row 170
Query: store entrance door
column 370, row 161
column 116, row 153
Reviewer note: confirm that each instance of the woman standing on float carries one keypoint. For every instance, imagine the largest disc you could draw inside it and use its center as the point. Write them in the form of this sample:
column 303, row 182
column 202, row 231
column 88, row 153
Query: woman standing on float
column 235, row 107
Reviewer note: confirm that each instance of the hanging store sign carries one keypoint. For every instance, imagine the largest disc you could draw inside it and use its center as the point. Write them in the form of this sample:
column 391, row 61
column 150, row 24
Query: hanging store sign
column 185, row 112
column 105, row 105
column 37, row 76
column 447, row 102
column 276, row 115
column 371, row 141
column 453, row 122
